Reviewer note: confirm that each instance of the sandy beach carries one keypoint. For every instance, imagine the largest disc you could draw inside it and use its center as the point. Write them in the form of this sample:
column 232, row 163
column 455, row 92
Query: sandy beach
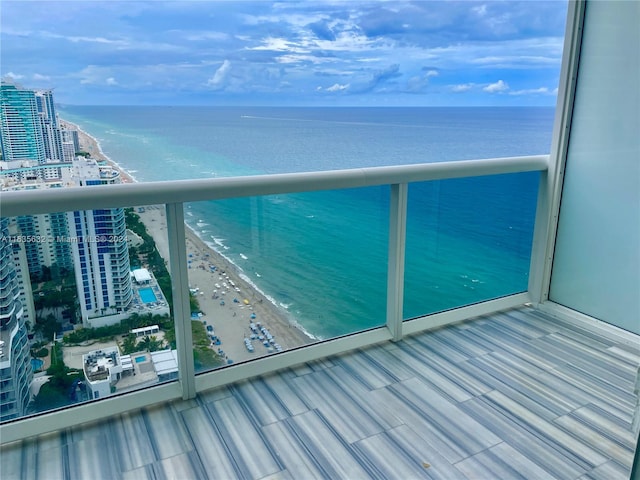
column 230, row 319
column 217, row 289
column 90, row 145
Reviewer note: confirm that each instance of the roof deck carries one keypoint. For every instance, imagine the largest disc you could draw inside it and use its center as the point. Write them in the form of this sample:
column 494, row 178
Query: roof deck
column 517, row 394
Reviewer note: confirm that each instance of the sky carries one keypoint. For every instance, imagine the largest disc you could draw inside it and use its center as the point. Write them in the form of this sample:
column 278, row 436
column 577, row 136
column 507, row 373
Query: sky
column 287, row 53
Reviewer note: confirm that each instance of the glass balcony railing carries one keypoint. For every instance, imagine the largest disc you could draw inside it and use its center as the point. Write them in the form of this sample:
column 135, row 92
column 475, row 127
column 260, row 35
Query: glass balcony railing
column 235, row 277
column 468, row 240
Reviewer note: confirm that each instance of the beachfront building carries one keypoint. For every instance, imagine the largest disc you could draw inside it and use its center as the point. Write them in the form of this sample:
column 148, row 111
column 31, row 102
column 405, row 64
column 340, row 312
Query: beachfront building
column 70, row 136
column 21, row 133
column 92, row 243
column 51, row 134
column 98, row 240
column 148, row 296
column 15, row 362
column 42, row 252
column 23, row 279
column 107, row 372
column 102, row 370
column 39, row 229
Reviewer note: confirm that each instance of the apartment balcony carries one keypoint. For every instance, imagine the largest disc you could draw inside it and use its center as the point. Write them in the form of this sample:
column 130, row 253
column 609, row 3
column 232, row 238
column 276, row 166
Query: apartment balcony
column 520, row 385
column 506, row 387
column 514, row 394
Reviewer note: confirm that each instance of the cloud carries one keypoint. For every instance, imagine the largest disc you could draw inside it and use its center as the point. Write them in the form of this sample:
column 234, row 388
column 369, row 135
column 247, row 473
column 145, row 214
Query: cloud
column 220, row 76
column 381, row 76
column 420, row 82
column 481, row 11
column 322, row 31
column 200, row 36
column 498, row 87
column 171, row 52
column 14, row 76
column 279, row 45
column 37, row 77
column 463, row 87
column 531, row 91
column 336, row 87
column 93, row 75
column 80, row 39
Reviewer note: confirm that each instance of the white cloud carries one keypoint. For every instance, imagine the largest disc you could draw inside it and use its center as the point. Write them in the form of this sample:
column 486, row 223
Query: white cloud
column 38, row 77
column 14, row 76
column 218, row 36
column 96, row 75
column 295, row 58
column 77, row 39
column 531, row 91
column 221, row 74
column 498, row 87
column 279, row 45
column 463, row 87
column 481, row 11
column 336, row 87
column 419, row 82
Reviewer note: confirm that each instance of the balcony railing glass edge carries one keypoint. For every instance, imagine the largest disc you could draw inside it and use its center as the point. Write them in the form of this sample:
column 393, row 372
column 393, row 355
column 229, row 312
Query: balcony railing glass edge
column 174, row 194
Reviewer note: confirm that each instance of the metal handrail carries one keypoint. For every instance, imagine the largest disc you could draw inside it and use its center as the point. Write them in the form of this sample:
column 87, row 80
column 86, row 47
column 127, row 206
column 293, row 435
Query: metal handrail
column 175, row 193
column 30, row 202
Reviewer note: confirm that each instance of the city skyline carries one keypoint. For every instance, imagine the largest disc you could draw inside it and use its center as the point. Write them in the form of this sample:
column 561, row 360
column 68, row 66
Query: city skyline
column 287, row 53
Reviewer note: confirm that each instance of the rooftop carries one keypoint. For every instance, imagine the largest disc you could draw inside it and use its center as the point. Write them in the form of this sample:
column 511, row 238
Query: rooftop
column 509, row 395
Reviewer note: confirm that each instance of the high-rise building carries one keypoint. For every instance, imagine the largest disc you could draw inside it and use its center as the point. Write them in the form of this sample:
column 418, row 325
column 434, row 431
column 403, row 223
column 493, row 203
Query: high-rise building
column 15, row 362
column 21, row 132
column 41, row 154
column 51, row 134
column 22, row 271
column 43, row 254
column 100, row 251
column 70, row 142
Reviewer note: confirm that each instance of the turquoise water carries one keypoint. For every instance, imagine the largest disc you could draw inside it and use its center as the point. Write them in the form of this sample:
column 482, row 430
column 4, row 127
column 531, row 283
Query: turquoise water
column 140, row 359
column 36, row 364
column 147, row 295
column 322, row 256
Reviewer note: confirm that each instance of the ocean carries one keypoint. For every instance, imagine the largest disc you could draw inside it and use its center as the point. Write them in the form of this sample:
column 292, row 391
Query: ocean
column 322, row 256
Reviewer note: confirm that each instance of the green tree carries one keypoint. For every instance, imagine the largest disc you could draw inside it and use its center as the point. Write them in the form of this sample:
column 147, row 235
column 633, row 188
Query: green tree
column 194, row 305
column 55, row 393
column 150, row 343
column 129, row 344
column 47, row 326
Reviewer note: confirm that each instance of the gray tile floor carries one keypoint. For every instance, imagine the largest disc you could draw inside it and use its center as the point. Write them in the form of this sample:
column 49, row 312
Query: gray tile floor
column 511, row 395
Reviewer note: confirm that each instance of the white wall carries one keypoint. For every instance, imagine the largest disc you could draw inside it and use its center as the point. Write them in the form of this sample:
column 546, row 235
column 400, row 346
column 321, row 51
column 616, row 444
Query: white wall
column 596, row 267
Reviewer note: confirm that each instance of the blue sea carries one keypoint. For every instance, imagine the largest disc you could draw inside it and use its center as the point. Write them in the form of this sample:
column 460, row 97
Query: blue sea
column 322, row 256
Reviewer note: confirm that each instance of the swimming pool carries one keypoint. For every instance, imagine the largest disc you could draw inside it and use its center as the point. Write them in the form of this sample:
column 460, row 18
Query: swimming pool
column 140, row 359
column 36, row 364
column 147, row 295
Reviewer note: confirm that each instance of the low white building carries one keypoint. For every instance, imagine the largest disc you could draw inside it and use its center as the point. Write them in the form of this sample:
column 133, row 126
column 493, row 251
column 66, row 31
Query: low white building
column 102, row 370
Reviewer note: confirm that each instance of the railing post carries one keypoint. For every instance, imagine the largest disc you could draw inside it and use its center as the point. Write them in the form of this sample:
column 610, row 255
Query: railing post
column 395, row 271
column 181, row 306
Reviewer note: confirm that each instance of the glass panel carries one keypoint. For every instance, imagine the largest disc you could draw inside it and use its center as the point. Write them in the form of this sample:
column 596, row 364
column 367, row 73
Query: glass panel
column 468, row 240
column 85, row 309
column 596, row 268
column 281, row 271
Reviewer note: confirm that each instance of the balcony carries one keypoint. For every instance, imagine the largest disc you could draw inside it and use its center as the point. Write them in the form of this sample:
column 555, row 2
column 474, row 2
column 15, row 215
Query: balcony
column 511, row 386
column 511, row 394
column 517, row 389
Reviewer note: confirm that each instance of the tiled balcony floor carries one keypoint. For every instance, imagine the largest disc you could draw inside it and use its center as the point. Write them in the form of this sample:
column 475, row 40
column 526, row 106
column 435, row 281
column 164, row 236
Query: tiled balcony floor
column 511, row 395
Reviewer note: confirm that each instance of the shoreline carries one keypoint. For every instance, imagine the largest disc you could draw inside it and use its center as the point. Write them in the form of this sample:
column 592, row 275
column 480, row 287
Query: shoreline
column 89, row 144
column 231, row 320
